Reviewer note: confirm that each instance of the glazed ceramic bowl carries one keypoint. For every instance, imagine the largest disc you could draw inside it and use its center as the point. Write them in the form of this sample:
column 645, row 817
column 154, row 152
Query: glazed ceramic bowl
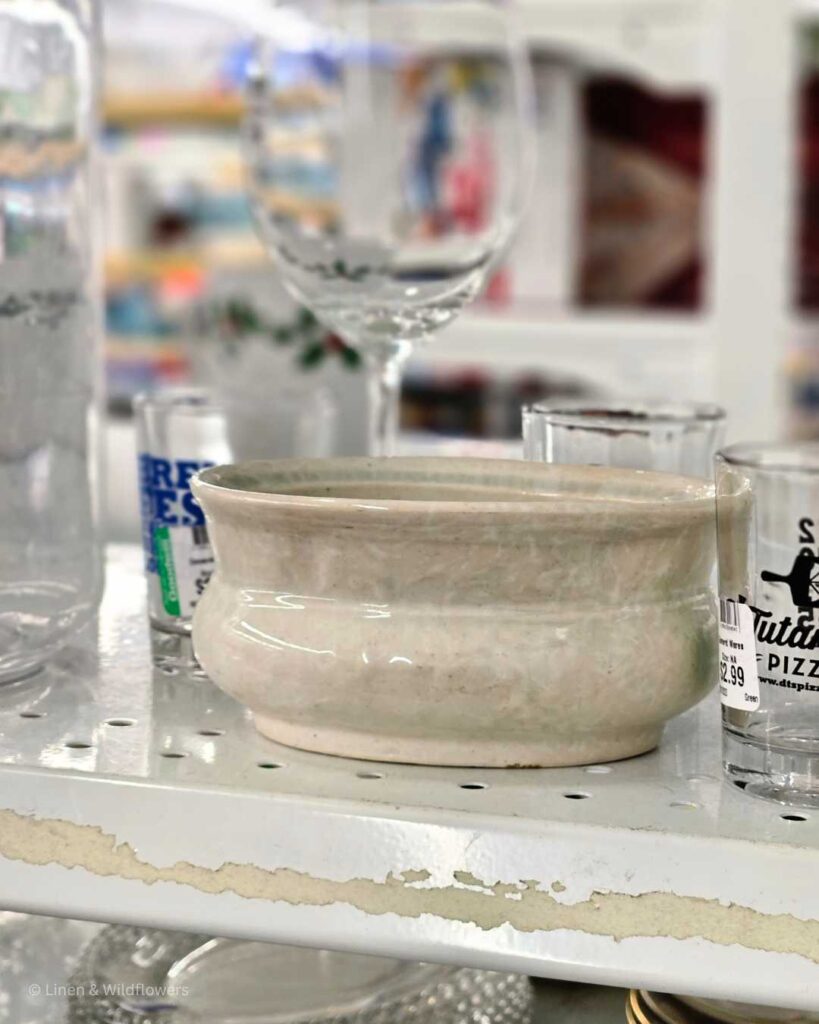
column 458, row 611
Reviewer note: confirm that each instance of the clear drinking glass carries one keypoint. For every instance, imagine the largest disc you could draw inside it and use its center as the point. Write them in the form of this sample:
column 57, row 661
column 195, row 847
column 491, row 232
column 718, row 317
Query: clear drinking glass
column 671, row 437
column 388, row 147
column 50, row 559
column 179, row 432
column 768, row 540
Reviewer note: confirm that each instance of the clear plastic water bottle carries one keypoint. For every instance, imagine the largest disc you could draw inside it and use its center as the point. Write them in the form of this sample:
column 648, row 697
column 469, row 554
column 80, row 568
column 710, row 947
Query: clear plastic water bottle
column 50, row 563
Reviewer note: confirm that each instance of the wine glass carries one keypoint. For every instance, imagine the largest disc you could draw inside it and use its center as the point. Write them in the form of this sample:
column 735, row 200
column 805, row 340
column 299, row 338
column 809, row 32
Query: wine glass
column 388, row 148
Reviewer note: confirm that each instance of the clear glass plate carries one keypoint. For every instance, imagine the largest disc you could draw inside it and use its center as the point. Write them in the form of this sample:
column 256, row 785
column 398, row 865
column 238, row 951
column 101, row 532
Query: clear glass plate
column 286, row 985
column 141, row 976
column 37, row 954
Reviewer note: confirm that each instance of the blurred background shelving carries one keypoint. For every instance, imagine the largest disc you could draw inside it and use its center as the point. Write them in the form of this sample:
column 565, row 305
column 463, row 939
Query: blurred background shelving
column 669, row 249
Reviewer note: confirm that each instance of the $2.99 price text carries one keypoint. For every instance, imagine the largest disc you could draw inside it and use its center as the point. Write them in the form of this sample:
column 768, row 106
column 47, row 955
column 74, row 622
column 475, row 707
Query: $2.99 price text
column 734, row 674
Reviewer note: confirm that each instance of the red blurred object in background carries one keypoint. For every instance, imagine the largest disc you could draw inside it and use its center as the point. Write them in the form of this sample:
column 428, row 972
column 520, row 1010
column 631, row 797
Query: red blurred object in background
column 807, row 288
column 644, row 165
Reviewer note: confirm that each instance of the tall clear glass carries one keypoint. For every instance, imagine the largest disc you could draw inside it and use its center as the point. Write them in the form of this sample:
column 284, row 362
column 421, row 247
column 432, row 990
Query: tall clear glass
column 179, row 432
column 768, row 539
column 50, row 564
column 388, row 146
column 671, row 437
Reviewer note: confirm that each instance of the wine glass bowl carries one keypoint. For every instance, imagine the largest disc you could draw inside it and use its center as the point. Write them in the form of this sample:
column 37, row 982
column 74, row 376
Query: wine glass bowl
column 387, row 155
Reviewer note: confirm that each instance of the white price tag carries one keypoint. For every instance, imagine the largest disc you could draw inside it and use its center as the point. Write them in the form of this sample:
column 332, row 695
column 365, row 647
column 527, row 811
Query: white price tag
column 738, row 675
column 193, row 563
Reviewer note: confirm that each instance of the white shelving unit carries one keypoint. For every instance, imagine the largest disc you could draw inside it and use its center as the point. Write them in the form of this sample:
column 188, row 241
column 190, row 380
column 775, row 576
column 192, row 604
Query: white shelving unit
column 134, row 797
column 653, row 355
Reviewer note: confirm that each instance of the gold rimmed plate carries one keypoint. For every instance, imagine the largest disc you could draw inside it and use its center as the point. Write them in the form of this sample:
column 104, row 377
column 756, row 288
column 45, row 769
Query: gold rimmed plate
column 666, row 1009
column 630, row 1015
column 636, row 1010
column 741, row 1013
column 661, row 1008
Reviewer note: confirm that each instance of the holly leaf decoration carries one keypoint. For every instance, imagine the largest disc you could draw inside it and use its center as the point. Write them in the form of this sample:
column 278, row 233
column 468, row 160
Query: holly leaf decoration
column 237, row 318
column 313, row 354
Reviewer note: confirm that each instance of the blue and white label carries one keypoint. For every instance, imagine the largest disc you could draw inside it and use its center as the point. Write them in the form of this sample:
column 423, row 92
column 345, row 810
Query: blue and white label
column 174, row 535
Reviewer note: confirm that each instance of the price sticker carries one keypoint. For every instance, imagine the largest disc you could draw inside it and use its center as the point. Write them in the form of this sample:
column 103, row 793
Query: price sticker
column 738, row 675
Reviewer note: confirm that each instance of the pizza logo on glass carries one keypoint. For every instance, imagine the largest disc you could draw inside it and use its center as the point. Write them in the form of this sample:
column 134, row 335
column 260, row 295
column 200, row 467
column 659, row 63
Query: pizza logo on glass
column 803, row 579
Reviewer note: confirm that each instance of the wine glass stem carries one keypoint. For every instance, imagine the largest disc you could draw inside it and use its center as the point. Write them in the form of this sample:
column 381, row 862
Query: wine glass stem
column 385, row 367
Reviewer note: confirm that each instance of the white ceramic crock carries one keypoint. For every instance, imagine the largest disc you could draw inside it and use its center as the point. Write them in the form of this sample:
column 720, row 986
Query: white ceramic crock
column 458, row 611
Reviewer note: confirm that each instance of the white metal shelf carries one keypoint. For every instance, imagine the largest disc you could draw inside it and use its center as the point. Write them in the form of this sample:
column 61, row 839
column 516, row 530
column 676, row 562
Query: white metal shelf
column 649, row 872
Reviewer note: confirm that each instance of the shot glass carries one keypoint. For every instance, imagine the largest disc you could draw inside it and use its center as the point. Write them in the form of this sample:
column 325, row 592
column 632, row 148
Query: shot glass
column 768, row 543
column 671, row 437
column 179, row 432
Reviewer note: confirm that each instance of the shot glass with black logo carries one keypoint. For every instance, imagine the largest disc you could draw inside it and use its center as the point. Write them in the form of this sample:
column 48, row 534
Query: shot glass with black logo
column 179, row 432
column 768, row 541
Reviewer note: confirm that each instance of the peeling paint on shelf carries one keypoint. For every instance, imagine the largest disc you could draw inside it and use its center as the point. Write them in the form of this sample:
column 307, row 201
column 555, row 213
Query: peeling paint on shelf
column 523, row 905
column 416, row 876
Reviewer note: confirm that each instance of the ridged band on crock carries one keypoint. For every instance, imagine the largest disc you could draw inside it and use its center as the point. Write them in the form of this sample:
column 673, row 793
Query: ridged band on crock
column 664, row 500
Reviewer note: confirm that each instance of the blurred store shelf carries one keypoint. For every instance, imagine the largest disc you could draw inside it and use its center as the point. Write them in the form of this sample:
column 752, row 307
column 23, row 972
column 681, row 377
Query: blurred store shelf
column 220, row 254
column 174, row 108
column 150, row 799
column 740, row 56
column 629, row 353
column 315, row 211
column 184, row 107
